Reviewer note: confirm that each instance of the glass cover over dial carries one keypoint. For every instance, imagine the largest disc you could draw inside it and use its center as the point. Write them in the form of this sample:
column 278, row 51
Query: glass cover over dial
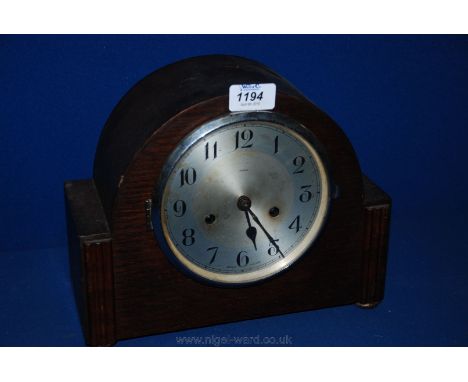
column 242, row 198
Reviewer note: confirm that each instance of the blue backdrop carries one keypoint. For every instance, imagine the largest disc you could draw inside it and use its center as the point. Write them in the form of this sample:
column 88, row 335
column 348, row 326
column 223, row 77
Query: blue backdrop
column 403, row 102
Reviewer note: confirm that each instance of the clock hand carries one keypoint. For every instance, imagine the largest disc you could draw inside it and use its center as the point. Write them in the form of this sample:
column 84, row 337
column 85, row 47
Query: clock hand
column 244, row 203
column 251, row 231
column 272, row 241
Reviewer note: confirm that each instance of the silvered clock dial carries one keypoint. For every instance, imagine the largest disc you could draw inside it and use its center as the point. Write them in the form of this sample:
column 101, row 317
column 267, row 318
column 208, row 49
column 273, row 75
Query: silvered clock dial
column 242, row 198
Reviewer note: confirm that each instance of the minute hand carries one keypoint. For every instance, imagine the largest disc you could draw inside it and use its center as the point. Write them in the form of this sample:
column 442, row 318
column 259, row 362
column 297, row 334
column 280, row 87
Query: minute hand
column 272, row 241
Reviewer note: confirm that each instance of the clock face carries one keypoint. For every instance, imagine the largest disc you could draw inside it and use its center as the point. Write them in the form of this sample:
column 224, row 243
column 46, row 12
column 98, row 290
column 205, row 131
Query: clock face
column 242, row 198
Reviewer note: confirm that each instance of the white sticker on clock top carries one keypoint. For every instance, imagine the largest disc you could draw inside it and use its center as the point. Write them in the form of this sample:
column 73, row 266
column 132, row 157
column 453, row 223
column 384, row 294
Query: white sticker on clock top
column 252, row 97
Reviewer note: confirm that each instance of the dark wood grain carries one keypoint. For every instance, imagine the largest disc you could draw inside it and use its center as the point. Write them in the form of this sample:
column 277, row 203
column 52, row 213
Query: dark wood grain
column 377, row 206
column 91, row 264
column 149, row 295
column 157, row 98
column 153, row 296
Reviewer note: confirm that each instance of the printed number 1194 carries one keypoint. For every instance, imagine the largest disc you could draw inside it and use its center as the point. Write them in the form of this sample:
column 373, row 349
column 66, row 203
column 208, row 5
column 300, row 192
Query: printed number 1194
column 250, row 96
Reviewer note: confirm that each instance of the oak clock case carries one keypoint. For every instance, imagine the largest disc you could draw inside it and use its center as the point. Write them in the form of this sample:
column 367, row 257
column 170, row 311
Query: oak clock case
column 197, row 215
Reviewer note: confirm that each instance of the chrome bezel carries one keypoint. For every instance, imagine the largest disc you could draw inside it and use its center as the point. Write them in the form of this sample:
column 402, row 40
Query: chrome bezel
column 239, row 279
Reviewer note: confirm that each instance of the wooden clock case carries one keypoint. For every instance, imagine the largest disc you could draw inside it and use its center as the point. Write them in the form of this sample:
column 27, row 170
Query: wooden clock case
column 125, row 285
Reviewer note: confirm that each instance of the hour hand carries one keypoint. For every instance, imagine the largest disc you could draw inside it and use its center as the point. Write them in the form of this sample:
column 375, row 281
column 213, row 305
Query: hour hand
column 251, row 231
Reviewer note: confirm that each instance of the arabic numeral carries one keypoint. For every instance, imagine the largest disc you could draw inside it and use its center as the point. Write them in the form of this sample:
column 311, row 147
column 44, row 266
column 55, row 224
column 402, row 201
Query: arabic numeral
column 243, row 139
column 299, row 163
column 188, row 176
column 214, row 150
column 215, row 252
column 296, row 224
column 179, row 208
column 250, row 96
column 273, row 249
column 306, row 194
column 242, row 259
column 189, row 237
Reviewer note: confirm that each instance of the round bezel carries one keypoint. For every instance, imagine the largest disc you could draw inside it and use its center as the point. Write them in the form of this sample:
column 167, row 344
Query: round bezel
column 292, row 127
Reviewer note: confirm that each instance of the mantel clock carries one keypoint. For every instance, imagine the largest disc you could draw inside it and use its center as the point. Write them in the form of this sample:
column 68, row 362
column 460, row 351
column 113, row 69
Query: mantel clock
column 220, row 193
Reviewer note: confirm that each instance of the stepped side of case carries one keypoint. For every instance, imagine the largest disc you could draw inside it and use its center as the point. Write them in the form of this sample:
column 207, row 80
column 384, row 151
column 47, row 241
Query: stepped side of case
column 377, row 207
column 90, row 251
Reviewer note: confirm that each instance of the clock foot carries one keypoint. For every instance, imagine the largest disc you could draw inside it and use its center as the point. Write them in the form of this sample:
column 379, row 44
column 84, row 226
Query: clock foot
column 367, row 305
